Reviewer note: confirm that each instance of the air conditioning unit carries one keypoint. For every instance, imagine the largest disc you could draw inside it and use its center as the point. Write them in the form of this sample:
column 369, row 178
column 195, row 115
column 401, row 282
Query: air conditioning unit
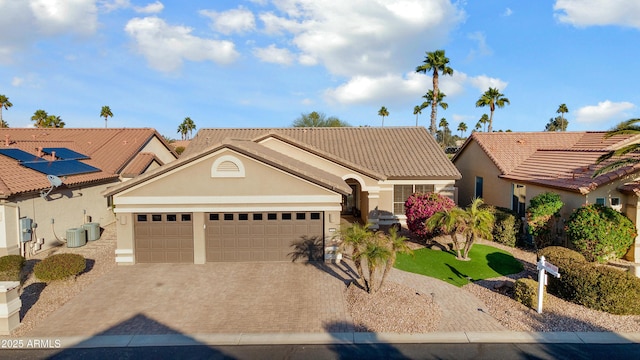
column 76, row 237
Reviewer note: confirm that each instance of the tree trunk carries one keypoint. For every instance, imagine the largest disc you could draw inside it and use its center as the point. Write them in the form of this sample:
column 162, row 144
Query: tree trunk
column 434, row 102
column 490, row 129
column 467, row 246
column 456, row 245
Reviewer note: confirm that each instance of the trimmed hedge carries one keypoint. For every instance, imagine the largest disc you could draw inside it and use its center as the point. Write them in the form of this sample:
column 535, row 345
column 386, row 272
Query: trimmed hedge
column 600, row 233
column 526, row 292
column 10, row 267
column 592, row 285
column 59, row 266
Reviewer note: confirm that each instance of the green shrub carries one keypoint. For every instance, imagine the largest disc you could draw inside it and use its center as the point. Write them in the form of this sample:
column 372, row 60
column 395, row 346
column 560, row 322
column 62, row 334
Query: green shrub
column 597, row 287
column 59, row 266
column 10, row 267
column 600, row 233
column 506, row 229
column 526, row 292
column 179, row 150
column 559, row 254
column 541, row 217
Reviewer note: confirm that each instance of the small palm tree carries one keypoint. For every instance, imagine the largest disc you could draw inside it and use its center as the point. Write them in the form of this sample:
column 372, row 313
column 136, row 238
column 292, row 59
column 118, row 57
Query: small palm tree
column 53, row 121
column 105, row 112
column 562, row 109
column 492, row 98
column 628, row 127
column 478, row 224
column 183, row 131
column 383, row 112
column 462, row 127
column 417, row 110
column 450, row 222
column 4, row 104
column 354, row 239
column 40, row 118
column 398, row 244
column 190, row 126
column 436, row 63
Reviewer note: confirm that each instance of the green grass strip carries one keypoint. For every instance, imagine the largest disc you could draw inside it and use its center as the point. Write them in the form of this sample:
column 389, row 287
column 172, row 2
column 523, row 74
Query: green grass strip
column 486, row 262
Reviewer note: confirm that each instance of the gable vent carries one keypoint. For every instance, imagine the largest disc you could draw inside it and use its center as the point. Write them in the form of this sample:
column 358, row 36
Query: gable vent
column 228, row 166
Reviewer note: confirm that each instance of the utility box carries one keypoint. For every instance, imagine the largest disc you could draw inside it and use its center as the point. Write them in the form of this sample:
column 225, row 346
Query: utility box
column 25, row 229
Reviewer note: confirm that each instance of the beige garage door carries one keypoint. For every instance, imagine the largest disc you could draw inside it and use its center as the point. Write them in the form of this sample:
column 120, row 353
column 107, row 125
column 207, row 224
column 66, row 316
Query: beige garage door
column 164, row 238
column 262, row 236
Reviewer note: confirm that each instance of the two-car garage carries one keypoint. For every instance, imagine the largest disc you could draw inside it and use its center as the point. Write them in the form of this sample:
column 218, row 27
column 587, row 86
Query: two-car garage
column 241, row 236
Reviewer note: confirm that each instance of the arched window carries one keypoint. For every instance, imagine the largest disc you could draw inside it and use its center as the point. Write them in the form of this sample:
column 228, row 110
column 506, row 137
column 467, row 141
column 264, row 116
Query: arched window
column 227, row 166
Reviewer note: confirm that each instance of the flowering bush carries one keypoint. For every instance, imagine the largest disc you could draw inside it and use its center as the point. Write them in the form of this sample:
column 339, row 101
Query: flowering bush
column 419, row 207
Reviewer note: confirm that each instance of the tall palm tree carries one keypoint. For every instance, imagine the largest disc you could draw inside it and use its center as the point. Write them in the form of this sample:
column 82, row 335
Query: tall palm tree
column 190, row 125
column 562, row 109
column 478, row 125
column 105, row 112
column 383, row 112
column 462, row 127
column 183, row 131
column 436, row 63
column 484, row 119
column 4, row 104
column 40, row 118
column 478, row 224
column 417, row 110
column 492, row 98
column 429, row 101
column 628, row 127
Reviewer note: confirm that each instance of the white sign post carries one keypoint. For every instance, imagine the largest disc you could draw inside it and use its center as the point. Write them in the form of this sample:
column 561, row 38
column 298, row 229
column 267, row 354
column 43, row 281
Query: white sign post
column 543, row 268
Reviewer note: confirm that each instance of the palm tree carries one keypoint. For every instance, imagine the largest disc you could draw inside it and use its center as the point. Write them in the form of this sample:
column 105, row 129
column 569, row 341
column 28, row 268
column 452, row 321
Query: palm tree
column 562, row 109
column 190, row 125
column 492, row 98
column 53, row 121
column 478, row 125
column 383, row 112
column 105, row 112
column 183, row 131
column 40, row 118
column 449, row 222
column 484, row 119
column 435, row 62
column 398, row 244
column 429, row 101
column 478, row 224
column 318, row 119
column 4, row 104
column 354, row 238
column 444, row 125
column 417, row 110
column 628, row 127
column 462, row 127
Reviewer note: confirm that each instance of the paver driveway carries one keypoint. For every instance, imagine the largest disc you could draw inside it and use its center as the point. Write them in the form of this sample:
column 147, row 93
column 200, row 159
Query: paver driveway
column 210, row 298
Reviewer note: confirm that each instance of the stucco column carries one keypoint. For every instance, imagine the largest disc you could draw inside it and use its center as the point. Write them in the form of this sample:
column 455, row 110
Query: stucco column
column 9, row 244
column 199, row 244
column 372, row 216
column 125, row 246
column 10, row 305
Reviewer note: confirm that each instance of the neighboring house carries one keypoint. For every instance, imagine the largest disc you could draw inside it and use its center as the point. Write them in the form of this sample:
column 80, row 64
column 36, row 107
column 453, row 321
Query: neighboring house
column 507, row 169
column 256, row 191
column 53, row 178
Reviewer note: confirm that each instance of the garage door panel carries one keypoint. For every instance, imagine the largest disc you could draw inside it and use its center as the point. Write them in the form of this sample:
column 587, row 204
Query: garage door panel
column 163, row 238
column 258, row 236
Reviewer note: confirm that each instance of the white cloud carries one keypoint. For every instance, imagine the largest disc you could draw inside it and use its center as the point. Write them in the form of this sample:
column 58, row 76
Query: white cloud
column 482, row 49
column 598, row 12
column 273, row 54
column 31, row 80
column 112, row 5
column 483, row 83
column 366, row 89
column 364, row 37
column 603, row 112
column 153, row 8
column 17, row 81
column 165, row 47
column 507, row 12
column 238, row 20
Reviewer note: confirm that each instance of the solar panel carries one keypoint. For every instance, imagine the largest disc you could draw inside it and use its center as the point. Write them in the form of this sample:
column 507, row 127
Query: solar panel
column 65, row 154
column 60, row 167
column 20, row 155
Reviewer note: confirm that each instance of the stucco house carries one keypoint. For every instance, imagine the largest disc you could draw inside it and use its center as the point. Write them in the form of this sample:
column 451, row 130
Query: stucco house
column 247, row 194
column 51, row 179
column 507, row 169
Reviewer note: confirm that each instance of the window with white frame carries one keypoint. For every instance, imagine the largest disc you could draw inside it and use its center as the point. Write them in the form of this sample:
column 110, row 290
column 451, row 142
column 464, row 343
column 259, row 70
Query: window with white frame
column 402, row 192
column 600, row 201
column 615, row 201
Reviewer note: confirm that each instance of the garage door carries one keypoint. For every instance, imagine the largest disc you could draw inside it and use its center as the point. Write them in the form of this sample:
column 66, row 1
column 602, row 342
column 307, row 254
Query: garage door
column 164, row 238
column 261, row 236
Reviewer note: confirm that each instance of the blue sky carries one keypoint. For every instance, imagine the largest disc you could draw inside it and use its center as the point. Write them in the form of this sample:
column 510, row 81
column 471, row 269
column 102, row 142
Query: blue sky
column 262, row 63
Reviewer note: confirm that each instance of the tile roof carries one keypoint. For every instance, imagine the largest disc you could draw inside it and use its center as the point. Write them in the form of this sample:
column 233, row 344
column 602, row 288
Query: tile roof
column 110, row 150
column 253, row 150
column 564, row 160
column 140, row 164
column 395, row 152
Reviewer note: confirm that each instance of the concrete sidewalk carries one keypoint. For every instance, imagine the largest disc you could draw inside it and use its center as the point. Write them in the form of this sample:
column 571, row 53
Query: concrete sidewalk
column 122, row 341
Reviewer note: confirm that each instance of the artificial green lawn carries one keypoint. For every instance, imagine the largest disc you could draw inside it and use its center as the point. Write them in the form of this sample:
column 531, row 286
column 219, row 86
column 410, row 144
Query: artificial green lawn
column 486, row 262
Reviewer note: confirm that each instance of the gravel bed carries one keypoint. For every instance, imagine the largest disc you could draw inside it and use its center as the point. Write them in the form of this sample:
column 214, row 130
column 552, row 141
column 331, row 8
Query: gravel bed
column 39, row 299
column 393, row 308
